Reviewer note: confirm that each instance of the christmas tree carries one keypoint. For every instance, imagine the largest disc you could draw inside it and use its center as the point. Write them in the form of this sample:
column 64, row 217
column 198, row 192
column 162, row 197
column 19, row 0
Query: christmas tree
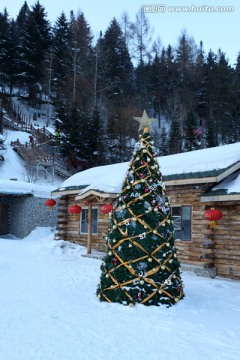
column 141, row 265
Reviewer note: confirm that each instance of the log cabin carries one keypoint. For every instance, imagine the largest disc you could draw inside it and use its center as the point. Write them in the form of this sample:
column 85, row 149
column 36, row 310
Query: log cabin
column 195, row 181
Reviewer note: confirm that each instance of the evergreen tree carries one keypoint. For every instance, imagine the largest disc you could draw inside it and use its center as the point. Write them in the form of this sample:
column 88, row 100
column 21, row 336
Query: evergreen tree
column 97, row 139
column 158, row 85
column 115, row 73
column 185, row 61
column 2, row 146
column 61, row 44
column 4, row 37
column 141, row 264
column 22, row 33
column 191, row 133
column 81, row 69
column 163, row 143
column 224, row 99
column 172, row 76
column 120, row 134
column 36, row 43
column 143, row 73
column 209, row 99
column 175, row 138
column 200, row 89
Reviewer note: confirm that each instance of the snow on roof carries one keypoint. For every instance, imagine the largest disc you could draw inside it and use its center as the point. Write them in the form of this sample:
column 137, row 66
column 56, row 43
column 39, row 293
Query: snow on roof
column 231, row 184
column 109, row 178
column 23, row 188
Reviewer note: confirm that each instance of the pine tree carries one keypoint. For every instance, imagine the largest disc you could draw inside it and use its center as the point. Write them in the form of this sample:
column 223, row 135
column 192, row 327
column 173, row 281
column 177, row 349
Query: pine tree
column 81, row 69
column 4, row 36
column 115, row 71
column 192, row 136
column 175, row 139
column 36, row 43
column 22, row 32
column 61, row 41
column 224, row 99
column 141, row 264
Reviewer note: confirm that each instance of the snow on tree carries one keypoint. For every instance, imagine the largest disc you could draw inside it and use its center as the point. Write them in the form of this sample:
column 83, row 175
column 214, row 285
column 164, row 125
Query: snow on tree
column 141, row 264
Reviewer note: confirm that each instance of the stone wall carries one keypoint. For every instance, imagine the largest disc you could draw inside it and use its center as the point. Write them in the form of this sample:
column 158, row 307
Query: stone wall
column 27, row 213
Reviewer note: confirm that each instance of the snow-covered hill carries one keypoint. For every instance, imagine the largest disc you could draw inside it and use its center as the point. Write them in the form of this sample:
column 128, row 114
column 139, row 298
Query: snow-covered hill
column 13, row 167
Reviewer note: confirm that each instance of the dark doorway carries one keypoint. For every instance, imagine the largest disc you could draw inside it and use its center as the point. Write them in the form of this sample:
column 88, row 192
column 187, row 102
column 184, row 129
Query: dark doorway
column 3, row 219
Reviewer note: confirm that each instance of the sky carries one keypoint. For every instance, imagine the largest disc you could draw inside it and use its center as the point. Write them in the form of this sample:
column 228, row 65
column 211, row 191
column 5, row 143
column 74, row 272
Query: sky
column 208, row 21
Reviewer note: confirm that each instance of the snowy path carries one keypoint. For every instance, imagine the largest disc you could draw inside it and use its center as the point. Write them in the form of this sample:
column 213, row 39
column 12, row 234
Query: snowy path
column 49, row 311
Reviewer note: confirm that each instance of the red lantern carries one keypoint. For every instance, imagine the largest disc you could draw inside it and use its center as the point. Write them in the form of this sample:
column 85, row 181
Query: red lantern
column 106, row 209
column 213, row 215
column 75, row 210
column 50, row 203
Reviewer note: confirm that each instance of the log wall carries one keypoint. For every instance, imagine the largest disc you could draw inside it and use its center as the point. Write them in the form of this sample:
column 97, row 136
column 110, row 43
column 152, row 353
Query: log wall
column 209, row 249
column 193, row 252
column 226, row 240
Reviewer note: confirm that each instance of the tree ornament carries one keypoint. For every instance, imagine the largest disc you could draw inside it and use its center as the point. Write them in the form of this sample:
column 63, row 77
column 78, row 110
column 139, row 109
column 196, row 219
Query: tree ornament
column 114, row 261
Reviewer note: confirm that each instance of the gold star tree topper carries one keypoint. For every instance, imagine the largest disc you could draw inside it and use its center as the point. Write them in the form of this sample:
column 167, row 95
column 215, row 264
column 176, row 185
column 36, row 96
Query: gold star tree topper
column 144, row 122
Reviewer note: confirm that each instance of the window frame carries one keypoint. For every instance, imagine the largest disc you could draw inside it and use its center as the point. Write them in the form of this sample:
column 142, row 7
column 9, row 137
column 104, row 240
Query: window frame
column 80, row 225
column 180, row 216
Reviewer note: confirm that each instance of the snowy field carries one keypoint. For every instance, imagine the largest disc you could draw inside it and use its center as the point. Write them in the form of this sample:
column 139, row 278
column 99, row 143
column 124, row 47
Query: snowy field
column 49, row 311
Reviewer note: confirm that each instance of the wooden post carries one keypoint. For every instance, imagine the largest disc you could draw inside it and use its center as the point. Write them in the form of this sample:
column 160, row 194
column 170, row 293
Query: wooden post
column 89, row 240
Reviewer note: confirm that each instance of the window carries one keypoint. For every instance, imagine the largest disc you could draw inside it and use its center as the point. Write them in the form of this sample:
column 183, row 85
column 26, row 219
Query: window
column 182, row 216
column 84, row 221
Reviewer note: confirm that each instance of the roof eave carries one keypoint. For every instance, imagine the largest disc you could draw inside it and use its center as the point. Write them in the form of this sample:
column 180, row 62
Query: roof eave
column 65, row 192
column 215, row 198
column 97, row 193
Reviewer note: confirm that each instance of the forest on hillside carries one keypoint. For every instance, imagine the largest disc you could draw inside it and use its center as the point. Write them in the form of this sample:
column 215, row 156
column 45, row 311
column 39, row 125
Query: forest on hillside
column 98, row 85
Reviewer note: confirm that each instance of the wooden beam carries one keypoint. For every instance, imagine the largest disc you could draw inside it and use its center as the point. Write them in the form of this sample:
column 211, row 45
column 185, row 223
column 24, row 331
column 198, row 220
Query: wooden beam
column 89, row 240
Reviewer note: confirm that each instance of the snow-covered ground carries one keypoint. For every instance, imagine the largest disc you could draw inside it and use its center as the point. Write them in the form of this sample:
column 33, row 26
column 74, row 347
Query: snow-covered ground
column 49, row 311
